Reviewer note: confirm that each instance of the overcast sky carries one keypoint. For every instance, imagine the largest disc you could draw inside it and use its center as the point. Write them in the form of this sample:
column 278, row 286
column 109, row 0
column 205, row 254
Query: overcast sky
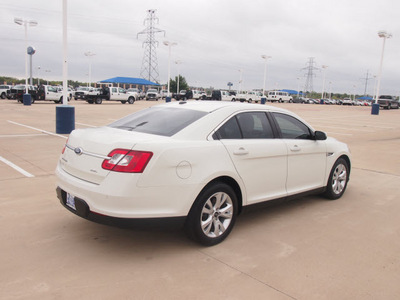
column 215, row 39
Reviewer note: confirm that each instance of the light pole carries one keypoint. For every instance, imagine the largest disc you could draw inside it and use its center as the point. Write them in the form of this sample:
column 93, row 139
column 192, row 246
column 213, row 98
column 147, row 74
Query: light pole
column 265, row 57
column 169, row 44
column 90, row 55
column 47, row 71
column 26, row 23
column 240, row 80
column 177, row 62
column 298, row 87
column 323, row 82
column 38, row 79
column 375, row 107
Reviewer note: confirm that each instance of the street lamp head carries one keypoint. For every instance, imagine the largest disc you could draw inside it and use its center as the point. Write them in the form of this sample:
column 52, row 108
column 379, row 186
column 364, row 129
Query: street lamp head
column 89, row 53
column 167, row 43
column 32, row 23
column 18, row 21
column 384, row 34
column 265, row 56
column 324, row 66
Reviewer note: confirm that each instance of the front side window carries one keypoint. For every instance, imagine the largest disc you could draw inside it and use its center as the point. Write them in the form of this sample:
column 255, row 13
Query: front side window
column 292, row 128
column 247, row 125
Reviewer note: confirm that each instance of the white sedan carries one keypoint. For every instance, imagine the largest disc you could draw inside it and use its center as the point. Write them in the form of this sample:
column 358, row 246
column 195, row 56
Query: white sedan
column 202, row 162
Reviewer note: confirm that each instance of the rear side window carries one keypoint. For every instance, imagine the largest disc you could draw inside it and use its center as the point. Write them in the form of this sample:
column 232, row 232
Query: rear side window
column 165, row 121
column 292, row 128
column 248, row 125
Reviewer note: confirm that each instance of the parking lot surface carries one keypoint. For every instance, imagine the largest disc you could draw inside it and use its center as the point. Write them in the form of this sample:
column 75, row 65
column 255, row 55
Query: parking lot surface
column 309, row 248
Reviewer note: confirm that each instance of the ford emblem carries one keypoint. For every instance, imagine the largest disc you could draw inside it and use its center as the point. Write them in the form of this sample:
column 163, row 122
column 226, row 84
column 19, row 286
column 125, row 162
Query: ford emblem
column 78, row 151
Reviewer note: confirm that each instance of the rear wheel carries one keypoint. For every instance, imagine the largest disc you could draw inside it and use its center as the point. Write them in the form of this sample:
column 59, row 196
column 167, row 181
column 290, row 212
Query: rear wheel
column 98, row 101
column 212, row 215
column 338, row 179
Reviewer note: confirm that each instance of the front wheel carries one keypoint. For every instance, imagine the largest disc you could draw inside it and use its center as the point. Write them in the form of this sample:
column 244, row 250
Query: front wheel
column 338, row 179
column 212, row 215
column 131, row 100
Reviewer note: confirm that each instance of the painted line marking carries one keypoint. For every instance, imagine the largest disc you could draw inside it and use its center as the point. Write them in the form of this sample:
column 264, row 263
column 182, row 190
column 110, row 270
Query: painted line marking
column 20, row 135
column 83, row 124
column 15, row 167
column 347, row 129
column 349, row 134
column 37, row 129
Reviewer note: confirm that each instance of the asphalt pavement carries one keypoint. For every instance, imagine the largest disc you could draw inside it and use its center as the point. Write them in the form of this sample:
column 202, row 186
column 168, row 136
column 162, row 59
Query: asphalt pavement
column 309, row 248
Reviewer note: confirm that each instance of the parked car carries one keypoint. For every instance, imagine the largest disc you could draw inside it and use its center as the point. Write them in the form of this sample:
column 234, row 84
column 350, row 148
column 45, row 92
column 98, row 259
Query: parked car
column 223, row 95
column 279, row 96
column 4, row 90
column 139, row 93
column 388, row 102
column 163, row 94
column 50, row 93
column 202, row 162
column 152, row 94
column 347, row 101
column 17, row 92
column 81, row 93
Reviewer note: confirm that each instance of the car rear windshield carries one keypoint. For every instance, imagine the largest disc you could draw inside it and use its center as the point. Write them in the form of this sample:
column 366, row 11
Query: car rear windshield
column 165, row 121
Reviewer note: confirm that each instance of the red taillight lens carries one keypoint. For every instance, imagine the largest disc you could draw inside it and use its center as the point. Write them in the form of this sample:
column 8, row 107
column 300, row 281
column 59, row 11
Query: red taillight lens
column 129, row 161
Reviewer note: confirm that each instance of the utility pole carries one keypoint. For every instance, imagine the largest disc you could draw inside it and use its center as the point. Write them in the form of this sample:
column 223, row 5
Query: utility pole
column 308, row 87
column 149, row 68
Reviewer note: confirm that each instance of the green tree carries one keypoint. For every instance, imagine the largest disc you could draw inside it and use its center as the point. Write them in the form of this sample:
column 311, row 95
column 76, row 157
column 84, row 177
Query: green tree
column 173, row 83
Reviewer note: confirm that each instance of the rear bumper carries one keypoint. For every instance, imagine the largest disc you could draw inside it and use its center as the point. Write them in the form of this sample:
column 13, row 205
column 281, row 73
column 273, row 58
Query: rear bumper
column 83, row 210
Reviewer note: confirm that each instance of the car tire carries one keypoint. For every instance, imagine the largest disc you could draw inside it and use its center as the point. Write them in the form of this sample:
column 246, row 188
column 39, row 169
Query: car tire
column 3, row 96
column 212, row 215
column 131, row 100
column 98, row 101
column 338, row 180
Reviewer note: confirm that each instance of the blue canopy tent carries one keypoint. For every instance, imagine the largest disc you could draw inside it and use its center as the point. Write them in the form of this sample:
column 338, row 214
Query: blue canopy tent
column 365, row 98
column 129, row 80
column 292, row 92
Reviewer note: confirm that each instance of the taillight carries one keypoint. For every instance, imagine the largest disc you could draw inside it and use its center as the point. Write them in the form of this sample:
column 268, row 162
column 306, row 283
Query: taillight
column 128, row 161
column 65, row 146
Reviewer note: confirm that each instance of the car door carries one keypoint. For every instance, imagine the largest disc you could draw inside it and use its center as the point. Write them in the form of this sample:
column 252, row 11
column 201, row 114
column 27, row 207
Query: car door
column 259, row 158
column 52, row 94
column 306, row 156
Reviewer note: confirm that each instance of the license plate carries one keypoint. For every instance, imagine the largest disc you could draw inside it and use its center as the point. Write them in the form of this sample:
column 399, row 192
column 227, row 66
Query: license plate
column 70, row 201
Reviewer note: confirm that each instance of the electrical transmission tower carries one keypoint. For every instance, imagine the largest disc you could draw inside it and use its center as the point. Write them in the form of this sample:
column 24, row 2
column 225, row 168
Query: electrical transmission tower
column 308, row 87
column 149, row 68
column 366, row 82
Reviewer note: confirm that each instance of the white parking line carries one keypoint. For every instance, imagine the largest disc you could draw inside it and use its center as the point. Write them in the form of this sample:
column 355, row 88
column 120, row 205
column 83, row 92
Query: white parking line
column 37, row 129
column 330, row 132
column 87, row 125
column 20, row 135
column 15, row 167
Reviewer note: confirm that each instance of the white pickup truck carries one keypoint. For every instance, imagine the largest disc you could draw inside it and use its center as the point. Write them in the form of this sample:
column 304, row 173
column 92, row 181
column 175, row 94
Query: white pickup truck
column 50, row 93
column 111, row 93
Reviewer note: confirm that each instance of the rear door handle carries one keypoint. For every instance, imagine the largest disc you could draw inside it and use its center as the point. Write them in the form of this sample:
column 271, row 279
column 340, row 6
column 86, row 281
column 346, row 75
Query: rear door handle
column 241, row 151
column 295, row 148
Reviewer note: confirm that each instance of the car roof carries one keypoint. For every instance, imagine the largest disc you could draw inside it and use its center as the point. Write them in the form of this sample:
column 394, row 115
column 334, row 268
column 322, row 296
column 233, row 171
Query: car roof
column 210, row 106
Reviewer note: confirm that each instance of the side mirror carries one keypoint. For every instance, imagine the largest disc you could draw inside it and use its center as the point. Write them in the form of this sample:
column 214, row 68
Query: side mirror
column 319, row 136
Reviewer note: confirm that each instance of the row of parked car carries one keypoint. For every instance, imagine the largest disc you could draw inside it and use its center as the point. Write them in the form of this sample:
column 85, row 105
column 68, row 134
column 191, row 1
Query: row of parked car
column 111, row 93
